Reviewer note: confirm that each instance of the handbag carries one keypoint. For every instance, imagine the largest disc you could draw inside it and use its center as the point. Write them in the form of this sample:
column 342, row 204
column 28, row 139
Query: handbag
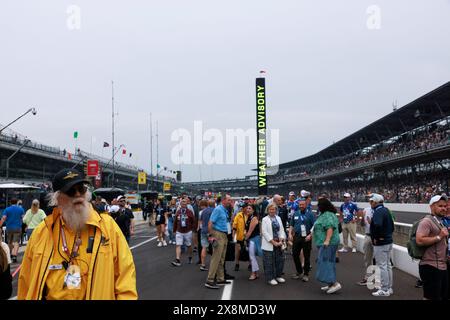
column 230, row 255
column 243, row 255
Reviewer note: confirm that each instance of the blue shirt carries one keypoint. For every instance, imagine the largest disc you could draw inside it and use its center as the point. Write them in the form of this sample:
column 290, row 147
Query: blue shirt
column 275, row 227
column 14, row 216
column 292, row 206
column 219, row 219
column 206, row 214
column 349, row 211
column 306, row 218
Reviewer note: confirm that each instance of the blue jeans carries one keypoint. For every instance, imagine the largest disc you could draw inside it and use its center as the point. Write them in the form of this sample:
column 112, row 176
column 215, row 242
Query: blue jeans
column 29, row 232
column 382, row 256
column 326, row 264
column 170, row 229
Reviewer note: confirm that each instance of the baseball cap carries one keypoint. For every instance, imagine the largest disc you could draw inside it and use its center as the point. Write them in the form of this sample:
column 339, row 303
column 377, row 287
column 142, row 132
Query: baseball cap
column 347, row 195
column 66, row 179
column 120, row 198
column 438, row 198
column 245, row 198
column 114, row 209
column 305, row 193
column 292, row 193
column 375, row 197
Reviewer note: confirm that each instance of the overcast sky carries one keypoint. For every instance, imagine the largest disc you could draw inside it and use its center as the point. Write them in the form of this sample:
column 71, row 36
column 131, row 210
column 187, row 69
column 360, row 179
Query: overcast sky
column 328, row 73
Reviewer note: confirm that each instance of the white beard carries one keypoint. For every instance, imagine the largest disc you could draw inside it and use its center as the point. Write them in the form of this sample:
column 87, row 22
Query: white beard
column 76, row 215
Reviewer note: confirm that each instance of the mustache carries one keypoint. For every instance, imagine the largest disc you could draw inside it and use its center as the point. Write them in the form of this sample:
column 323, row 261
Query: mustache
column 78, row 201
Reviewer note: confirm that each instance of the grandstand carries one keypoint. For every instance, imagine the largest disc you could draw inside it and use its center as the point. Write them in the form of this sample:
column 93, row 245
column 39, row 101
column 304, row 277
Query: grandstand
column 37, row 163
column 405, row 155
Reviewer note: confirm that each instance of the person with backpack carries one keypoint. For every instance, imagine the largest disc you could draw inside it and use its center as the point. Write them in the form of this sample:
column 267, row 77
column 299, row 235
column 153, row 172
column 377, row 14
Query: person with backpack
column 381, row 231
column 433, row 235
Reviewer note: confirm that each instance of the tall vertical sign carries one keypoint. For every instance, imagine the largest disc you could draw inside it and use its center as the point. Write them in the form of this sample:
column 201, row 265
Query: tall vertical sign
column 261, row 135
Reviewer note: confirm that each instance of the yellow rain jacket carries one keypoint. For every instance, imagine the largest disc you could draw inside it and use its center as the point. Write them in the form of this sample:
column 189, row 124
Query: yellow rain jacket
column 111, row 274
column 239, row 225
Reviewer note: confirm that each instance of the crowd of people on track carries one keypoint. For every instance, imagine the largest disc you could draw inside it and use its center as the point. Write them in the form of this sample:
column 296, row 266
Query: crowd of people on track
column 84, row 244
column 273, row 227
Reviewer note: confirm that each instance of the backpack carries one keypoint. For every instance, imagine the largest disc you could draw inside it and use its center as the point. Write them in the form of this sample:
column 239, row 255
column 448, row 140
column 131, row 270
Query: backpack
column 414, row 250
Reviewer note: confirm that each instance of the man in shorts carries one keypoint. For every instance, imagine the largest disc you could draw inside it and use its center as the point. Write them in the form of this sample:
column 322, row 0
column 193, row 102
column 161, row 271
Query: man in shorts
column 12, row 217
column 182, row 227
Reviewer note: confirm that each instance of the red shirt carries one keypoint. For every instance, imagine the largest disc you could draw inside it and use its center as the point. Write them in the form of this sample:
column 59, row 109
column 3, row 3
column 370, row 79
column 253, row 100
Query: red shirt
column 189, row 219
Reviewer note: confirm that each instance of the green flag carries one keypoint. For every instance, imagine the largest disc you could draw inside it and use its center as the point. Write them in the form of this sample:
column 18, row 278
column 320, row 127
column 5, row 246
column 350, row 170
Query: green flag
column 75, row 134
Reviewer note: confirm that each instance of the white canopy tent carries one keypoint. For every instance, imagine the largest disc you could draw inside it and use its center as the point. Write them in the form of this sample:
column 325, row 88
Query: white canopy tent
column 16, row 186
column 11, row 188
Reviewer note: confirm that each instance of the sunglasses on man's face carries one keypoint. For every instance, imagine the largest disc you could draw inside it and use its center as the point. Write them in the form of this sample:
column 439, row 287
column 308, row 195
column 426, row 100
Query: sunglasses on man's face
column 80, row 188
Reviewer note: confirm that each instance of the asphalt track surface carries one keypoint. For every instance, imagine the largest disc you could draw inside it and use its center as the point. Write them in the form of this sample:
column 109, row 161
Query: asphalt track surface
column 408, row 217
column 157, row 279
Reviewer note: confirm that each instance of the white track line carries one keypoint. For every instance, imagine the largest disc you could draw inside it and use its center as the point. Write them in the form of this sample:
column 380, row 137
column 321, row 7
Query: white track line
column 142, row 243
column 138, row 245
column 226, row 295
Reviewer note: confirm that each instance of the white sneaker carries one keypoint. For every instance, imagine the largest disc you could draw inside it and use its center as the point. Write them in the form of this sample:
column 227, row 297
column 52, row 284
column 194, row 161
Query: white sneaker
column 164, row 243
column 280, row 280
column 159, row 244
column 343, row 250
column 334, row 288
column 381, row 293
column 354, row 250
column 273, row 282
column 325, row 288
column 391, row 291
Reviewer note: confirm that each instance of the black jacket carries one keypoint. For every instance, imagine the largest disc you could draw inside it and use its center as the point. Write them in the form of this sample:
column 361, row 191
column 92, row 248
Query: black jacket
column 382, row 226
column 5, row 284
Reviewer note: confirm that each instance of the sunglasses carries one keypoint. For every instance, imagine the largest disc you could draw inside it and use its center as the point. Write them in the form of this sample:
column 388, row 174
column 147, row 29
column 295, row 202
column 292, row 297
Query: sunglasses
column 80, row 188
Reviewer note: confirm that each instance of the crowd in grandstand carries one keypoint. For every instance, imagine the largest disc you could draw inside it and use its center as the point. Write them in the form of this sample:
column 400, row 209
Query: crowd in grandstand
column 415, row 141
column 401, row 192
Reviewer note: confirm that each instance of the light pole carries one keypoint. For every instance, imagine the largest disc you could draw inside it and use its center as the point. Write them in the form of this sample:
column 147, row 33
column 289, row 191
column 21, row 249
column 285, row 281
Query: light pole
column 17, row 151
column 112, row 159
column 32, row 110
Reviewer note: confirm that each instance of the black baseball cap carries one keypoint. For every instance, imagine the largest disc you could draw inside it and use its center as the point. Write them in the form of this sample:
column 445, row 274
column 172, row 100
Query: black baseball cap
column 66, row 179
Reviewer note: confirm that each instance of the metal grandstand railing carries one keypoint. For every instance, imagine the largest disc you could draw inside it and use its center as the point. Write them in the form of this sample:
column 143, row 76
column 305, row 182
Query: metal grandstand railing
column 12, row 137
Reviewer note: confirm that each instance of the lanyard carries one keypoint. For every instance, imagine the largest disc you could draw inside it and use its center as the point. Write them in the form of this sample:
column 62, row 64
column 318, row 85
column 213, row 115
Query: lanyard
column 76, row 243
column 302, row 217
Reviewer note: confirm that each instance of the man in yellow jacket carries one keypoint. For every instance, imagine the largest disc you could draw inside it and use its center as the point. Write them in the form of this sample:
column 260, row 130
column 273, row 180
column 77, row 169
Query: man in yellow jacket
column 75, row 253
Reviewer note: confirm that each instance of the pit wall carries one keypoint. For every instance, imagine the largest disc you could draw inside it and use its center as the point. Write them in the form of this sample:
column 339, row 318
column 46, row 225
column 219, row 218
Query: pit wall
column 401, row 207
column 400, row 257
